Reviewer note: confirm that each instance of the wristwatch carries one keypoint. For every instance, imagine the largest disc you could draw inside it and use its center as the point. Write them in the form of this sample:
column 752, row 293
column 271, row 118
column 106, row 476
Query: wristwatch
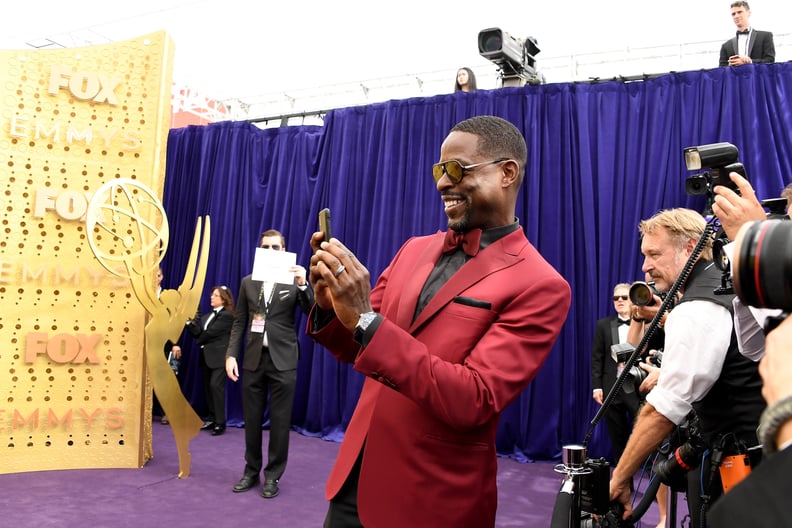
column 363, row 323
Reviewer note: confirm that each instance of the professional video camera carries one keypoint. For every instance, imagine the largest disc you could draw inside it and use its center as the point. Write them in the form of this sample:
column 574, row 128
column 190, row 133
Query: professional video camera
column 635, row 375
column 584, row 499
column 515, row 58
column 720, row 159
column 763, row 267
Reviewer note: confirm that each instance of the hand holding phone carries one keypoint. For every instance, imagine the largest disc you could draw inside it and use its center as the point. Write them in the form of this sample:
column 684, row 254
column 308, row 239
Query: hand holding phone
column 324, row 224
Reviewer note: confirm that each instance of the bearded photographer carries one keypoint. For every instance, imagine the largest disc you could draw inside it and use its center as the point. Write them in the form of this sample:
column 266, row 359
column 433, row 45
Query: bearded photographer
column 702, row 367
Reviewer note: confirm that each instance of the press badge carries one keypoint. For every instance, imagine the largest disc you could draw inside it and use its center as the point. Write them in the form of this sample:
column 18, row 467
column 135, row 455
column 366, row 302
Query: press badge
column 257, row 326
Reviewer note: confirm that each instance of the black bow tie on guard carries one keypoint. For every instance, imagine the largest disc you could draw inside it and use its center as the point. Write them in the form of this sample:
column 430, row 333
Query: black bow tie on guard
column 744, row 32
column 469, row 242
column 623, row 322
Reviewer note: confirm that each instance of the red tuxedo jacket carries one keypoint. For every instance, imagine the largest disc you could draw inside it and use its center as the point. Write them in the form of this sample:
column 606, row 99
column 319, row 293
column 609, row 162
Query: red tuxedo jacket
column 437, row 386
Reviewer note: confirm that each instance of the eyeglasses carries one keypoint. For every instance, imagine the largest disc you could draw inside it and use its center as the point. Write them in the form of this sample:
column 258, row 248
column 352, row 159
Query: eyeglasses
column 620, row 298
column 276, row 247
column 456, row 170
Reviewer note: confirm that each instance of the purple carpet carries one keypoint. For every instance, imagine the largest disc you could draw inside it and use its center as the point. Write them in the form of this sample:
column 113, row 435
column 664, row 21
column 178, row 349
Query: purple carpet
column 153, row 496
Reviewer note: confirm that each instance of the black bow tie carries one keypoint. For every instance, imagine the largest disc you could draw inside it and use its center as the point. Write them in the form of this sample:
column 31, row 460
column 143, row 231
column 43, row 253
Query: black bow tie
column 622, row 321
column 469, row 242
column 744, row 31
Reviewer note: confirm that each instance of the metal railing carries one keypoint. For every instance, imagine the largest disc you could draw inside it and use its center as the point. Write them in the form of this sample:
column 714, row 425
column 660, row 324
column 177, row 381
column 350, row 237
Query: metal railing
column 307, row 106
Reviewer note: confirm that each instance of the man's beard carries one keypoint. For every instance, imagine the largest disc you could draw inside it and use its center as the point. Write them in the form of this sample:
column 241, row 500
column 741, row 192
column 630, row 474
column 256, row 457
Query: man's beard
column 462, row 225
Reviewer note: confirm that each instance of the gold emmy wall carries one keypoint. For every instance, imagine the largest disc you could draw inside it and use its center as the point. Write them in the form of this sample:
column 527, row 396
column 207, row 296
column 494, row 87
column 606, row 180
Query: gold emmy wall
column 72, row 372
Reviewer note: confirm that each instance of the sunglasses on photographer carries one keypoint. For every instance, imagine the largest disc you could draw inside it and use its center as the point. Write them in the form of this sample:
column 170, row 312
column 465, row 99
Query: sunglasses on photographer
column 456, row 170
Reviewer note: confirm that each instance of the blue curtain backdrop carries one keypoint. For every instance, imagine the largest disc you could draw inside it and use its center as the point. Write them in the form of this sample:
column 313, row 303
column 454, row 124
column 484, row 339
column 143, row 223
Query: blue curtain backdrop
column 601, row 157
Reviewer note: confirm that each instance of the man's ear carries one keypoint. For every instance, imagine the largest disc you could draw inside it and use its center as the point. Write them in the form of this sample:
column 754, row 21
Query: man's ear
column 690, row 246
column 510, row 173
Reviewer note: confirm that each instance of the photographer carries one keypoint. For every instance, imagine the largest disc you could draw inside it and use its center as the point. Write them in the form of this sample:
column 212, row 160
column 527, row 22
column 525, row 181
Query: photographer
column 702, row 367
column 606, row 367
column 761, row 500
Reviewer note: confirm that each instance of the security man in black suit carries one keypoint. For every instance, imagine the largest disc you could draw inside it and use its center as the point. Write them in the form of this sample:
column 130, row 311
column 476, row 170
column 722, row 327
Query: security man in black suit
column 266, row 312
column 749, row 45
column 605, row 369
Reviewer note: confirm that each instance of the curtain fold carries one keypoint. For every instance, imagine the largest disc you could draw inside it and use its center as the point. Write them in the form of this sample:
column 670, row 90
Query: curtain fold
column 602, row 157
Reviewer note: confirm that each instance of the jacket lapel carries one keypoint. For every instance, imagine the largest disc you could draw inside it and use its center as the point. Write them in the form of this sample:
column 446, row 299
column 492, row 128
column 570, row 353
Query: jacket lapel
column 423, row 267
column 614, row 330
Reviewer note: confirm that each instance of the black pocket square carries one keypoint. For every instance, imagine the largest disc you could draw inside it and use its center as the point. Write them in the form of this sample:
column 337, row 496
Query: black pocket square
column 470, row 301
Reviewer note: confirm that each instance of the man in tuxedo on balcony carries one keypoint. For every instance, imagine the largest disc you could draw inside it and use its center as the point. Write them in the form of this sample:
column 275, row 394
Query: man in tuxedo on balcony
column 749, row 45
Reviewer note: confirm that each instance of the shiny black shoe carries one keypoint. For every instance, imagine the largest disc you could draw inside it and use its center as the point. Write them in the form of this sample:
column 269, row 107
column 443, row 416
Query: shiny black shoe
column 208, row 425
column 245, row 483
column 218, row 430
column 270, row 489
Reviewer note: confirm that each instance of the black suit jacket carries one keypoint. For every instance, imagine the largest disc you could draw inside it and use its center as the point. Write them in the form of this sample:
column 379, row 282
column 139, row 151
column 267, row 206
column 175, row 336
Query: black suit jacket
column 280, row 326
column 761, row 500
column 760, row 48
column 603, row 367
column 213, row 340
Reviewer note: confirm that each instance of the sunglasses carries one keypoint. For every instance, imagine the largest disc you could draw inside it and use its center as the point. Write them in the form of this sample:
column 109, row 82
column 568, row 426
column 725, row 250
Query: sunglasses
column 620, row 297
column 276, row 247
column 456, row 170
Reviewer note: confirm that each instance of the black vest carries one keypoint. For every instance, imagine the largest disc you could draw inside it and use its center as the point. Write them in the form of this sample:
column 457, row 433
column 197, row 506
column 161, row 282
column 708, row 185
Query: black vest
column 734, row 404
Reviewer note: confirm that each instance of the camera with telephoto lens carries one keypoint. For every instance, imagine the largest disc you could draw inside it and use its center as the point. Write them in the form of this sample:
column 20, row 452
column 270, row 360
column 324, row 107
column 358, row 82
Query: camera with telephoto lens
column 673, row 470
column 762, row 273
column 720, row 159
column 642, row 294
column 636, row 375
column 776, row 210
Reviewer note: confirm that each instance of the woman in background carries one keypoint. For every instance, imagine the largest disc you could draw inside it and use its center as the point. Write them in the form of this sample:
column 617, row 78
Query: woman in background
column 212, row 332
column 465, row 80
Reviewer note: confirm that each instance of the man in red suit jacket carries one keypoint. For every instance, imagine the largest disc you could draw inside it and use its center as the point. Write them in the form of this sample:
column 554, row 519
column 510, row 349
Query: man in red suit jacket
column 449, row 336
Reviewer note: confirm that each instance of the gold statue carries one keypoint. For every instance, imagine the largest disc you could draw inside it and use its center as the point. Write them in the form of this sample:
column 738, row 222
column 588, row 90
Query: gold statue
column 128, row 232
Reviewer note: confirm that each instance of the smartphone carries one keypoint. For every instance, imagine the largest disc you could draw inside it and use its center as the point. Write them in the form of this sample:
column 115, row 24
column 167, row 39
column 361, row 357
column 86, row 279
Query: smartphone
column 324, row 224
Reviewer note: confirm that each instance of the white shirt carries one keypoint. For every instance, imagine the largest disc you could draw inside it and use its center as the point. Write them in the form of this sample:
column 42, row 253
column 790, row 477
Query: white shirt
column 623, row 330
column 697, row 339
column 212, row 316
column 268, row 287
column 742, row 42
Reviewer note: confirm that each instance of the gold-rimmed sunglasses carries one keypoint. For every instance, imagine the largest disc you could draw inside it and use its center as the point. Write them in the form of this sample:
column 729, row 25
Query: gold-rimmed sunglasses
column 456, row 170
